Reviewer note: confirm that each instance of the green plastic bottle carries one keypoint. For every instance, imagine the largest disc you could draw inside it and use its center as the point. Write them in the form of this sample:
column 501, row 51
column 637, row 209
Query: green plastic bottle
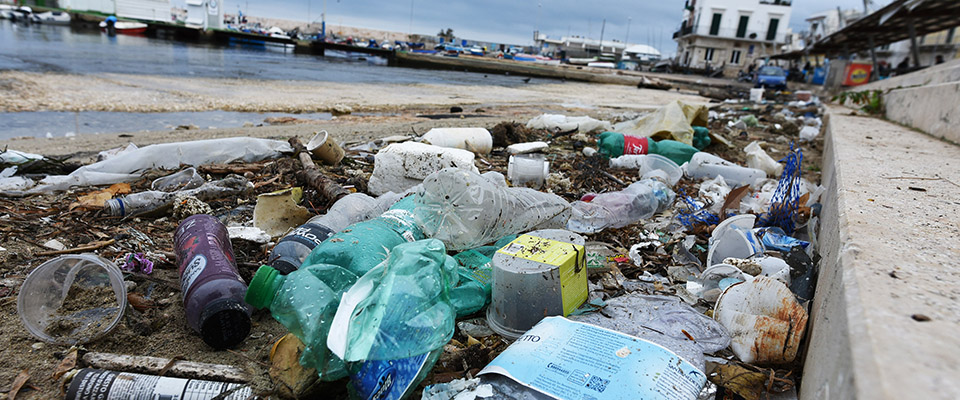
column 363, row 245
column 614, row 144
column 305, row 302
column 392, row 324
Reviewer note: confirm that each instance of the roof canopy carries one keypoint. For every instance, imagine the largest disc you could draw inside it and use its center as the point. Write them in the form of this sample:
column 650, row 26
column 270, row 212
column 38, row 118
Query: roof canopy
column 887, row 25
column 642, row 49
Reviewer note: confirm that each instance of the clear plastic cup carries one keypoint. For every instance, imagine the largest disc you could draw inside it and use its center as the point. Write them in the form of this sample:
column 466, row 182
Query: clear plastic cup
column 67, row 300
column 655, row 165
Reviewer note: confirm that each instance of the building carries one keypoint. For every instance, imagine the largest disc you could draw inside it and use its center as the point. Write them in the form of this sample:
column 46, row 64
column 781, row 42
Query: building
column 944, row 44
column 144, row 10
column 730, row 34
column 207, row 14
column 567, row 47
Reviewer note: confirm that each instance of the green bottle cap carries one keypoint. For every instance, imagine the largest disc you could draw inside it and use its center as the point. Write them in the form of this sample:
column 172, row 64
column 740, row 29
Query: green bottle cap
column 263, row 287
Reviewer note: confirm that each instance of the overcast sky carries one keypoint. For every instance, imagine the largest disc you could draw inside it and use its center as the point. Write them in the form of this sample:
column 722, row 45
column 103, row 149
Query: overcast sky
column 511, row 21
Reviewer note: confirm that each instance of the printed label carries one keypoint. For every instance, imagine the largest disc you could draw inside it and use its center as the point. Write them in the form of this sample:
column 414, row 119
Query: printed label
column 191, row 271
column 93, row 384
column 388, row 379
column 635, row 145
column 573, row 360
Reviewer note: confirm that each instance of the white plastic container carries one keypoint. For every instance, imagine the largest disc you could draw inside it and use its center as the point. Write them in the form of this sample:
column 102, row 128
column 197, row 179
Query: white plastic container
column 706, row 165
column 529, row 147
column 477, row 140
column 756, row 95
column 527, row 289
column 528, row 170
column 401, row 166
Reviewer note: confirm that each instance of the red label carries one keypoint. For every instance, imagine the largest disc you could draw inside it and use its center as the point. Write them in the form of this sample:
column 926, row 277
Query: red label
column 634, row 145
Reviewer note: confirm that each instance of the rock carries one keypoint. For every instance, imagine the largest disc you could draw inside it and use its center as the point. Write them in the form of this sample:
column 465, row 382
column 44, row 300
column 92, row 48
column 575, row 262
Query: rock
column 456, row 109
column 341, row 109
column 189, row 127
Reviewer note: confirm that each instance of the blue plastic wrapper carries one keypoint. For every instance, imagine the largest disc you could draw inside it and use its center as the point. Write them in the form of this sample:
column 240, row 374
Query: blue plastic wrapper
column 776, row 239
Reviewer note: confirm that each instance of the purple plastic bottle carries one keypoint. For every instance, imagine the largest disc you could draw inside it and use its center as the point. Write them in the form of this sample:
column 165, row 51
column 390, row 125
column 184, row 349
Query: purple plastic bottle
column 211, row 287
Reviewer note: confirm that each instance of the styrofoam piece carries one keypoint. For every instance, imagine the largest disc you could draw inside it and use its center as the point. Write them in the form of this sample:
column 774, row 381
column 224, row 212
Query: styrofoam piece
column 477, row 140
column 401, row 166
column 564, row 123
column 809, row 132
column 734, row 237
column 529, row 147
column 764, row 319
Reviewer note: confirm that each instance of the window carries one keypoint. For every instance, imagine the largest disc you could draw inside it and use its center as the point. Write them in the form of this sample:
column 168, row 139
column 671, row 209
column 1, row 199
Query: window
column 735, row 57
column 772, row 29
column 708, row 54
column 742, row 27
column 750, row 50
column 715, row 24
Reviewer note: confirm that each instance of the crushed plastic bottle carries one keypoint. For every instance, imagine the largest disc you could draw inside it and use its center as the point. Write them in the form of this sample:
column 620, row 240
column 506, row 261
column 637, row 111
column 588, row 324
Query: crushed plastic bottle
column 391, row 325
column 305, row 302
column 154, row 200
column 614, row 144
column 363, row 245
column 465, row 209
column 640, row 200
column 293, row 249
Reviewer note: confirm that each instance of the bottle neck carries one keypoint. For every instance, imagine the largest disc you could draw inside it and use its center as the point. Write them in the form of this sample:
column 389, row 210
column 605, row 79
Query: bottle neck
column 263, row 287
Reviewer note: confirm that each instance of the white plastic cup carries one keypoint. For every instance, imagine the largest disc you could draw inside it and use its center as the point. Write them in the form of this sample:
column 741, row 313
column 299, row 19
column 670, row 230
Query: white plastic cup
column 45, row 289
column 325, row 148
column 756, row 95
column 764, row 320
column 734, row 237
column 528, row 170
column 657, row 166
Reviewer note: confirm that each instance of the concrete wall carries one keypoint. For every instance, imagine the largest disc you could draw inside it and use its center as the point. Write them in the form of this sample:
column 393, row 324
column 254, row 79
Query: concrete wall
column 885, row 318
column 933, row 109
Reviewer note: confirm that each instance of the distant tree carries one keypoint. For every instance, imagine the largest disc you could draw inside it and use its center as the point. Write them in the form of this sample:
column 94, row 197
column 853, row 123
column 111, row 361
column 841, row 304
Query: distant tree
column 448, row 34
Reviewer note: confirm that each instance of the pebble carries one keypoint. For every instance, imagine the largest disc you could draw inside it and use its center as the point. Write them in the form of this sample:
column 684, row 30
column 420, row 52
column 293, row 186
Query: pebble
column 37, row 345
column 130, row 285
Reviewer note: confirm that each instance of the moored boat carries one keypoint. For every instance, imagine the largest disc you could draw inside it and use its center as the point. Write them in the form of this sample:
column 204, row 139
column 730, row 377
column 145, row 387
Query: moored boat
column 126, row 27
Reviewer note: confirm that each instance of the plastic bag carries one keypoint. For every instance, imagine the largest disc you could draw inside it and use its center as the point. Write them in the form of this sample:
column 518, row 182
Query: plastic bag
column 673, row 121
column 759, row 159
column 564, row 123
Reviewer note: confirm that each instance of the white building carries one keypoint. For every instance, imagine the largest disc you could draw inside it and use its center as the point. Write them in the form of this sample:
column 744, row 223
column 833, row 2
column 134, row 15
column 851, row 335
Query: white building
column 144, row 10
column 730, row 34
column 207, row 14
column 580, row 47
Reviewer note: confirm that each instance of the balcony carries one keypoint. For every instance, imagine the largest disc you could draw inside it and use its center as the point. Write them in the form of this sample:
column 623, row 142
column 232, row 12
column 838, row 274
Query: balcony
column 749, row 35
column 684, row 31
column 777, row 2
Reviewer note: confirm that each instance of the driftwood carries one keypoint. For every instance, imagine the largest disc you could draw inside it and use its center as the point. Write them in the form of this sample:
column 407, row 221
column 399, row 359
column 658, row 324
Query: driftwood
column 312, row 176
column 165, row 367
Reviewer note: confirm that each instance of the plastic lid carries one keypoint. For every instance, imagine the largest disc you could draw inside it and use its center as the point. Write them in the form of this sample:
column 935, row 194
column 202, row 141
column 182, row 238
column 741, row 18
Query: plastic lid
column 224, row 323
column 263, row 287
column 284, row 265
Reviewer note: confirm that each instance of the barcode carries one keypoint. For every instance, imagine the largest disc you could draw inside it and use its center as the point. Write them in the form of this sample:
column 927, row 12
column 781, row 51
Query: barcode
column 598, row 384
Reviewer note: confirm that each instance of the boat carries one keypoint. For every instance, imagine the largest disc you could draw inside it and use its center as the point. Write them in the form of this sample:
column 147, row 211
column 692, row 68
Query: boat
column 535, row 59
column 126, row 27
column 602, row 64
column 17, row 14
column 51, row 18
column 581, row 61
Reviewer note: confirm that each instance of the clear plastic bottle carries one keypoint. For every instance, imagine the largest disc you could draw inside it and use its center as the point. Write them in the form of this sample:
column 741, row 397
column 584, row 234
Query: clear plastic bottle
column 465, row 209
column 363, row 245
column 153, row 200
column 305, row 302
column 640, row 200
column 211, row 287
column 293, row 249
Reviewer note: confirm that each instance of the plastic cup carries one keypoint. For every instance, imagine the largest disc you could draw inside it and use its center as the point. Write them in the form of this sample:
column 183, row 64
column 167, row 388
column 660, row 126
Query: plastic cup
column 48, row 313
column 528, row 170
column 657, row 166
column 756, row 95
column 325, row 148
column 526, row 291
column 734, row 237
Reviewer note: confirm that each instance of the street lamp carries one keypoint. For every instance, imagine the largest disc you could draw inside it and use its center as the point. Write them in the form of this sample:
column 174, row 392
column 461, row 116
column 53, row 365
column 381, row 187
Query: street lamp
column 627, row 40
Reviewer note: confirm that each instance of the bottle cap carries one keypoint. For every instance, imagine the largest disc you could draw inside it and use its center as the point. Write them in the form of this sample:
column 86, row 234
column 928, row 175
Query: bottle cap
column 263, row 287
column 284, row 265
column 224, row 323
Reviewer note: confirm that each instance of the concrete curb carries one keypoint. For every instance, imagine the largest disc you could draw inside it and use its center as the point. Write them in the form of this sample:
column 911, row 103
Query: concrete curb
column 891, row 251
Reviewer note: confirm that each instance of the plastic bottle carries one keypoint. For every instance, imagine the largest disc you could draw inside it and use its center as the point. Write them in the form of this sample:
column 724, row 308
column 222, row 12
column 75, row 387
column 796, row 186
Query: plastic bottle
column 392, row 324
column 153, row 200
column 640, row 200
column 363, row 245
column 615, row 144
column 305, row 301
column 212, row 289
column 465, row 209
column 706, row 165
column 95, row 384
column 293, row 248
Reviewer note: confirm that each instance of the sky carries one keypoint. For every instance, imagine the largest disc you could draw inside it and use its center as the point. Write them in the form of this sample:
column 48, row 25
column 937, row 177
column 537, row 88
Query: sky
column 512, row 21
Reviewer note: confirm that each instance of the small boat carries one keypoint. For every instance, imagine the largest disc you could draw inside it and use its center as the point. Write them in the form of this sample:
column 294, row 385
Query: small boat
column 602, row 64
column 126, row 27
column 22, row 13
column 536, row 59
column 581, row 61
column 51, row 18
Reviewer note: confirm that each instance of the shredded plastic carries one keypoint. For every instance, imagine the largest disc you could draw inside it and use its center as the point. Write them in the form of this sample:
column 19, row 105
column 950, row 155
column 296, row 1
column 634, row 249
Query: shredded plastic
column 692, row 212
column 785, row 201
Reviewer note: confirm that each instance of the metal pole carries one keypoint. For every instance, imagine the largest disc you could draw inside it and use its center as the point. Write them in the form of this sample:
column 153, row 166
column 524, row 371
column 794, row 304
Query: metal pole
column 602, row 27
column 873, row 57
column 410, row 29
column 913, row 43
column 627, row 39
